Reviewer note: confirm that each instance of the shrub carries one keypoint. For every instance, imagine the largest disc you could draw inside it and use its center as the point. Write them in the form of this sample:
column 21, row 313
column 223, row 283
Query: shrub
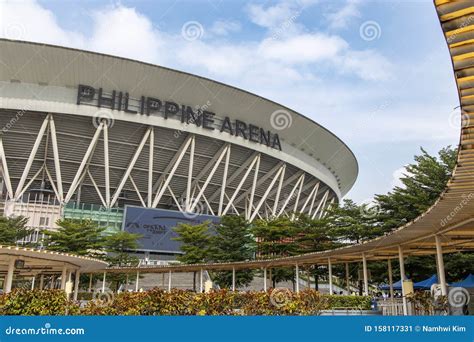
column 179, row 302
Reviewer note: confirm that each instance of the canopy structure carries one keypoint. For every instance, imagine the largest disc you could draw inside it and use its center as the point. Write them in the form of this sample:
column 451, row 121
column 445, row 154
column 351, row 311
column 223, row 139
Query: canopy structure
column 427, row 283
column 397, row 286
column 468, row 282
column 29, row 262
column 448, row 225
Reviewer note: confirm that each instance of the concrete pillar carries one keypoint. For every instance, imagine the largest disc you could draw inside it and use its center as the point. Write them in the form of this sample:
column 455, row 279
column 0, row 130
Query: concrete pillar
column 297, row 273
column 9, row 277
column 390, row 278
column 41, row 284
column 53, row 280
column 103, row 282
column 264, row 279
column 348, row 286
column 33, row 283
column 201, row 289
column 233, row 278
column 402, row 277
column 136, row 281
column 330, row 276
column 169, row 281
column 76, row 284
column 90, row 283
column 366, row 274
column 63, row 278
column 440, row 266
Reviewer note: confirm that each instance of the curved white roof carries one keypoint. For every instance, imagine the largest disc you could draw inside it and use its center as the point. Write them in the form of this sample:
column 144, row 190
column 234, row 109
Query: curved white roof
column 55, row 66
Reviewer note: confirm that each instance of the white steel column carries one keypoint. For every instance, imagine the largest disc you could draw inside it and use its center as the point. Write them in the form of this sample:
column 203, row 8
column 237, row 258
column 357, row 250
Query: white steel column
column 254, row 185
column 298, row 197
column 190, row 175
column 315, row 188
column 57, row 164
column 323, row 200
column 224, row 181
column 390, row 277
column 136, row 281
column 31, row 158
column 76, row 284
column 151, row 149
column 6, row 174
column 163, row 187
column 366, row 276
column 233, row 278
column 208, row 179
column 264, row 197
column 277, row 196
column 402, row 277
column 130, row 167
column 242, row 181
column 297, row 272
column 84, row 161
column 290, row 196
column 169, row 281
column 440, row 266
column 106, row 165
column 330, row 276
column 264, row 279
column 9, row 277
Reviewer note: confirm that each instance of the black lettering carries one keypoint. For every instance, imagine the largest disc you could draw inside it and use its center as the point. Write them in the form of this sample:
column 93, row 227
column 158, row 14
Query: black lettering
column 106, row 101
column 191, row 116
column 171, row 108
column 152, row 105
column 207, row 120
column 276, row 142
column 126, row 109
column 85, row 92
column 120, row 95
column 227, row 126
column 253, row 133
column 240, row 129
column 264, row 137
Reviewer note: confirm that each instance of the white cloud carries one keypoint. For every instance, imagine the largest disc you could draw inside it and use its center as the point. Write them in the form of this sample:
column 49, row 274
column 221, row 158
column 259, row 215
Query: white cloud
column 224, row 27
column 341, row 18
column 367, row 64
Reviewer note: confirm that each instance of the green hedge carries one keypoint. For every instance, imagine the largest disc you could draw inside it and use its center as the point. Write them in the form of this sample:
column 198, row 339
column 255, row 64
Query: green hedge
column 179, row 302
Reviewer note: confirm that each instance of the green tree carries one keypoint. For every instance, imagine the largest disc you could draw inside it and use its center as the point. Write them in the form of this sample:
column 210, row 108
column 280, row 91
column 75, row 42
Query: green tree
column 81, row 237
column 118, row 246
column 352, row 223
column 233, row 242
column 195, row 244
column 13, row 229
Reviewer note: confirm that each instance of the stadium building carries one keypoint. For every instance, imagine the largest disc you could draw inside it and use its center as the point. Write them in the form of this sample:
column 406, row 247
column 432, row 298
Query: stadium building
column 137, row 146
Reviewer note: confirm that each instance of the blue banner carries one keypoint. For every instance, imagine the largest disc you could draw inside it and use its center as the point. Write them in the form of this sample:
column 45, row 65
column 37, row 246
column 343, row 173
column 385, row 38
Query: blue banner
column 241, row 329
column 156, row 226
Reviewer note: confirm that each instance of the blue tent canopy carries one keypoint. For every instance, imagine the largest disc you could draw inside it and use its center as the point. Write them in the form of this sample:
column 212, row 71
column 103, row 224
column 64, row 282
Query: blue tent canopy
column 467, row 283
column 396, row 286
column 426, row 284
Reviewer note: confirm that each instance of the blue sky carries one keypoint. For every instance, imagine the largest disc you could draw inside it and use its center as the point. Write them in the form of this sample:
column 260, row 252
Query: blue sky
column 376, row 73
